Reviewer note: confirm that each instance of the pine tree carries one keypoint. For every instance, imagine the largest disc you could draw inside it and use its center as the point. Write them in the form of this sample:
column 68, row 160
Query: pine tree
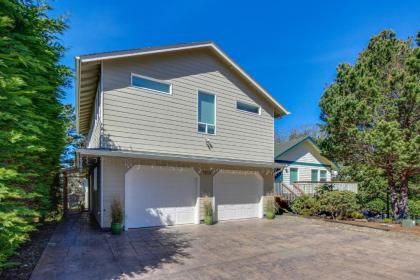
column 32, row 123
column 371, row 114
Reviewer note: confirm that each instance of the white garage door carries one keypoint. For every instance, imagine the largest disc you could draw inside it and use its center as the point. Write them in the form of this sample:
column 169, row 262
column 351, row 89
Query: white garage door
column 237, row 196
column 160, row 196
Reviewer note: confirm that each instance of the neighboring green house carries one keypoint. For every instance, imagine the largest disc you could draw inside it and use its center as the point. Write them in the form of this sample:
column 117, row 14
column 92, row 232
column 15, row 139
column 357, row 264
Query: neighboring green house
column 304, row 164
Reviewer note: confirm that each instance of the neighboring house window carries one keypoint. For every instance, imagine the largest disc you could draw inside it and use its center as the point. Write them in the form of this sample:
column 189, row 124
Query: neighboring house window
column 150, row 84
column 242, row 106
column 293, row 175
column 323, row 176
column 314, row 175
column 206, row 113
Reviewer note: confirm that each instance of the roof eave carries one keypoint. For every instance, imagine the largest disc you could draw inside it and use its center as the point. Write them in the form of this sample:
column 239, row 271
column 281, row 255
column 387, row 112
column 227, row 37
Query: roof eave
column 137, row 53
column 77, row 62
column 313, row 143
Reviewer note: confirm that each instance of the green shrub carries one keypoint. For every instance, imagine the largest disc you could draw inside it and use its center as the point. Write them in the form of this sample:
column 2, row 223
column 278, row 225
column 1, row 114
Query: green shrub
column 305, row 205
column 413, row 208
column 339, row 204
column 320, row 190
column 357, row 215
column 387, row 220
column 376, row 206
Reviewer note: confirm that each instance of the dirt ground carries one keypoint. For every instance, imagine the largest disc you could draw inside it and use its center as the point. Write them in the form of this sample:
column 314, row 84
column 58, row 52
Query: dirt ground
column 29, row 254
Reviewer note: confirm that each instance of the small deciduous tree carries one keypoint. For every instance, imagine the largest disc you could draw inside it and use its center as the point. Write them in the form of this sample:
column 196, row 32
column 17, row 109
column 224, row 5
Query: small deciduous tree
column 371, row 114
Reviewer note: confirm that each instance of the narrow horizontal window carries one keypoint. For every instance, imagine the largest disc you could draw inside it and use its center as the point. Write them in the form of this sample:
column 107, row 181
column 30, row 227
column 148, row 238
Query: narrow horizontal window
column 242, row 106
column 206, row 113
column 142, row 82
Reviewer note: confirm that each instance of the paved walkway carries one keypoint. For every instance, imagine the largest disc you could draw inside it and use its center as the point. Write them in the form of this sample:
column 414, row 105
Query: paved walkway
column 286, row 248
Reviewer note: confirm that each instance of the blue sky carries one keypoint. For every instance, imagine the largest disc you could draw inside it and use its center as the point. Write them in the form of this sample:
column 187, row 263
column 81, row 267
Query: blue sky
column 291, row 48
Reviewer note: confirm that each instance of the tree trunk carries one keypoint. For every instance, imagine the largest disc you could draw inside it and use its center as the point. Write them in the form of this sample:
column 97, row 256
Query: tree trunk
column 393, row 192
column 402, row 206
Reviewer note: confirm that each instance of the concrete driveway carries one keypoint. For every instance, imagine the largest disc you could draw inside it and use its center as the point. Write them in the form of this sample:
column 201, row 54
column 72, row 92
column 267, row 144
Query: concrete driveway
column 286, row 248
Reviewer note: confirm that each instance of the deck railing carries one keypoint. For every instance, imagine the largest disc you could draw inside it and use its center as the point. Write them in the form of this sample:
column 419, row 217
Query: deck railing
column 289, row 192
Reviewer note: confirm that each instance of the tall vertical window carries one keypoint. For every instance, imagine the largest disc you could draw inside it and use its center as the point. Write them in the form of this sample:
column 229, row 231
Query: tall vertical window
column 294, row 175
column 206, row 113
column 314, row 175
column 323, row 176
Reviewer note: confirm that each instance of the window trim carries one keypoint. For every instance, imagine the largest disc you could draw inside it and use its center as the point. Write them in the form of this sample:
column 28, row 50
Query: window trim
column 215, row 113
column 248, row 112
column 153, row 80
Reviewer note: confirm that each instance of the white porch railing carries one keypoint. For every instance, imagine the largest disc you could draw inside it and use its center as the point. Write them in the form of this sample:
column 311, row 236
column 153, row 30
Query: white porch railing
column 289, row 192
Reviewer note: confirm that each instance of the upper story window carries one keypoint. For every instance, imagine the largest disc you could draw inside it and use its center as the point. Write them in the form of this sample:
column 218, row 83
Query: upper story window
column 150, row 84
column 246, row 107
column 206, row 113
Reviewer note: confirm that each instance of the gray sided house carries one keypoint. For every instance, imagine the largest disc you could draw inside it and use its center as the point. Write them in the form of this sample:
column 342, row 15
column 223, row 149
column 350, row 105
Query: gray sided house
column 169, row 125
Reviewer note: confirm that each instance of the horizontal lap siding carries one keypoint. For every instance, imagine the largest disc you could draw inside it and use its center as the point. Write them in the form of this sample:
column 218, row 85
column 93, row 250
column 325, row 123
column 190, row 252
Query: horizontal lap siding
column 307, row 154
column 304, row 172
column 138, row 119
column 303, row 153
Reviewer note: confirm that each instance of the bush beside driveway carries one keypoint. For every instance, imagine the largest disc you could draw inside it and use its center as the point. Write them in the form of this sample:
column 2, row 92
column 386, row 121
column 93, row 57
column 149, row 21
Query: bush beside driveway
column 287, row 247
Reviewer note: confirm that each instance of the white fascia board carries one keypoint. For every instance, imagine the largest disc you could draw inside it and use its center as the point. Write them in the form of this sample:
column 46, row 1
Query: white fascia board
column 107, row 57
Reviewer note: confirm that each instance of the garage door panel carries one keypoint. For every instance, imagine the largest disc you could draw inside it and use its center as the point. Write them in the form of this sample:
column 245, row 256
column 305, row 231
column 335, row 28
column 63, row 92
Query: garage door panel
column 160, row 196
column 237, row 196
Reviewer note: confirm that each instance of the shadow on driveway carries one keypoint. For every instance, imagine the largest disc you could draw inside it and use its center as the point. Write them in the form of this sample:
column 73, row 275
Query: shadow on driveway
column 79, row 250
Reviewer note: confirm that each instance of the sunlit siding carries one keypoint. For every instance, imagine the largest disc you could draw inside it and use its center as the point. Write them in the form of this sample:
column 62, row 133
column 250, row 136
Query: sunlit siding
column 143, row 120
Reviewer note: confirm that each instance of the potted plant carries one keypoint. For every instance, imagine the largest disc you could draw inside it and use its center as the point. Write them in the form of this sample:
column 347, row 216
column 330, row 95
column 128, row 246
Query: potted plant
column 270, row 207
column 208, row 210
column 117, row 217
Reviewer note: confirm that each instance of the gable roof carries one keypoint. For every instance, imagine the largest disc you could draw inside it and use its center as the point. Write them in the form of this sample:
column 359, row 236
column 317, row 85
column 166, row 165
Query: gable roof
column 88, row 70
column 284, row 147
